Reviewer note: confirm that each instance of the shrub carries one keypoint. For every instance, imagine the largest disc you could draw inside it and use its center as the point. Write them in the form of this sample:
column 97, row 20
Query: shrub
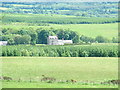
column 101, row 39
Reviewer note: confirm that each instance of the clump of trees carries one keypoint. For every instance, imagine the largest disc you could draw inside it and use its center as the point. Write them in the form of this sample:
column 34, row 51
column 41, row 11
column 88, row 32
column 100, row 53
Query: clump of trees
column 116, row 40
column 39, row 36
column 87, row 39
column 101, row 39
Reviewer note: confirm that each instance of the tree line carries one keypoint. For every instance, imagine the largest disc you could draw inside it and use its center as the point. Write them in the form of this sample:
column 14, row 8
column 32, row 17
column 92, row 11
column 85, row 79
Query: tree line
column 56, row 19
column 39, row 36
column 61, row 51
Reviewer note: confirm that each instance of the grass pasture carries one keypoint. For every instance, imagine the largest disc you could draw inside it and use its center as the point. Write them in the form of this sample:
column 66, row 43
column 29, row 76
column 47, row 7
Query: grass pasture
column 92, row 30
column 65, row 68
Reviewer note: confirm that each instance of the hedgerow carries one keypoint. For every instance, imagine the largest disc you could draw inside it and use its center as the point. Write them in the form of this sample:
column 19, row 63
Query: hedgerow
column 61, row 51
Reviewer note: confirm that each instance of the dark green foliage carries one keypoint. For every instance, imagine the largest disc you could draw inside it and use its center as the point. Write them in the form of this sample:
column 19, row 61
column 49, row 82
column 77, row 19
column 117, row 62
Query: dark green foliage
column 4, row 53
column 115, row 40
column 43, row 19
column 16, row 52
column 4, row 38
column 76, row 38
column 87, row 39
column 101, row 39
column 42, row 36
column 25, row 39
column 23, row 32
column 61, row 51
column 33, row 38
column 68, row 35
column 11, row 42
column 62, row 34
column 4, row 31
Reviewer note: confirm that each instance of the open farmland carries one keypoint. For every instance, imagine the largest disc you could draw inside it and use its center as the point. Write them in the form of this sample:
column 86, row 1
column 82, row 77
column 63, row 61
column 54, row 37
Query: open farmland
column 28, row 61
column 80, row 69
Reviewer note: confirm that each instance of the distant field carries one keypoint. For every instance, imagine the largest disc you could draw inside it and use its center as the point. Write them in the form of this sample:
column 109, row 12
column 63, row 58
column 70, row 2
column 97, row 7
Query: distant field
column 80, row 69
column 92, row 30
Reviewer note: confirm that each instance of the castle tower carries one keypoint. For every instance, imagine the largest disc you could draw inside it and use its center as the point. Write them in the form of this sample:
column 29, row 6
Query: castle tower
column 52, row 40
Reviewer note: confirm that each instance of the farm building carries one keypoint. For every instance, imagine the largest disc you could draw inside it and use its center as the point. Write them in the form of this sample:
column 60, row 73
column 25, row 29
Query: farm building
column 3, row 43
column 53, row 40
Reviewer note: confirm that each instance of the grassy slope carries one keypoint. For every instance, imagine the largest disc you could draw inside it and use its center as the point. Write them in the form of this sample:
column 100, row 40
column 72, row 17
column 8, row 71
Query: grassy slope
column 93, row 30
column 93, row 69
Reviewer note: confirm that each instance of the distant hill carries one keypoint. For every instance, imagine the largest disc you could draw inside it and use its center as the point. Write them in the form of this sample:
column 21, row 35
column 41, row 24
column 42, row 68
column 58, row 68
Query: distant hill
column 85, row 9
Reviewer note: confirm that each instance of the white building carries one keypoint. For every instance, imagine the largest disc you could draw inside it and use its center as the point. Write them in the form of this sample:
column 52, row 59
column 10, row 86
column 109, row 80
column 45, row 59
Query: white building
column 3, row 43
column 53, row 40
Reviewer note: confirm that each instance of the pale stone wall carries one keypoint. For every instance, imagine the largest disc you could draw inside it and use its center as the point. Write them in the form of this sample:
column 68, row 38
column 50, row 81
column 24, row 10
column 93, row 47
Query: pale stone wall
column 53, row 40
column 3, row 43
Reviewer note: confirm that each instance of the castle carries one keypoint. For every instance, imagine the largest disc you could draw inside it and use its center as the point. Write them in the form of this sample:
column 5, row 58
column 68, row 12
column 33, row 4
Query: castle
column 3, row 43
column 53, row 40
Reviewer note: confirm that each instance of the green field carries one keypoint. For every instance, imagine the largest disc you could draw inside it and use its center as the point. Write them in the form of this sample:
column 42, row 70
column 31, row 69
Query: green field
column 80, row 69
column 93, row 30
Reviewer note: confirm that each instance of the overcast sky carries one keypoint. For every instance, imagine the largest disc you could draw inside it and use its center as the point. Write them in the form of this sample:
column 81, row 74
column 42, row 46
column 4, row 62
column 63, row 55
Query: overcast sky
column 59, row 0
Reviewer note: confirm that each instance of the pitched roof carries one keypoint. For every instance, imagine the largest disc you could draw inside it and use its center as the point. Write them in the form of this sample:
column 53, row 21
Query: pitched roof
column 53, row 37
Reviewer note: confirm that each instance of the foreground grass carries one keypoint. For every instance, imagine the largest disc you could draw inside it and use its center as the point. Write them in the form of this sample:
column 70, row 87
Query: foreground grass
column 65, row 68
column 52, row 85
